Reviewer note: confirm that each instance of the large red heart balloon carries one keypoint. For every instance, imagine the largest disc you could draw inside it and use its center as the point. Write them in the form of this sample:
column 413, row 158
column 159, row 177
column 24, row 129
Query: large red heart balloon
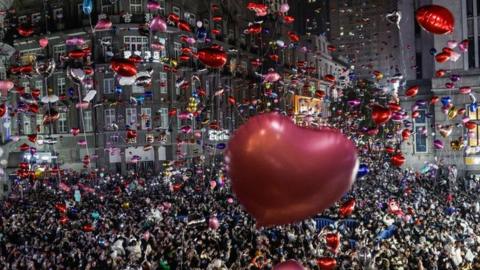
column 124, row 67
column 213, row 57
column 289, row 265
column 380, row 114
column 333, row 241
column 435, row 19
column 326, row 263
column 282, row 173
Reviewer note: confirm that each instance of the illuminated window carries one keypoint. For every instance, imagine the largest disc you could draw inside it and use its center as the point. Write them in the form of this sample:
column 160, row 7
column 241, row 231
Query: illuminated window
column 135, row 43
column 475, row 139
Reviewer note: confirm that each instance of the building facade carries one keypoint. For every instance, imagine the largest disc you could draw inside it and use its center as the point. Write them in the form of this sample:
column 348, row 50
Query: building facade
column 362, row 34
column 130, row 126
column 420, row 57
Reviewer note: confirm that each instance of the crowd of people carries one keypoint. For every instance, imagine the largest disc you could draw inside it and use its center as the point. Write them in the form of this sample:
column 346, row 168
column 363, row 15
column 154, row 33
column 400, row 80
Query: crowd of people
column 402, row 220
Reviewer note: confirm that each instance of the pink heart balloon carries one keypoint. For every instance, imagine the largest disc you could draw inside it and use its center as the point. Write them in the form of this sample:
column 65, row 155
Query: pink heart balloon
column 43, row 42
column 282, row 173
column 157, row 24
column 289, row 265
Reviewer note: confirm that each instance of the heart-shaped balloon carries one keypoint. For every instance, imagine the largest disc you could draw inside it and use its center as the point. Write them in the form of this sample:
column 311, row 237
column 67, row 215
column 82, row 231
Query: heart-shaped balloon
column 362, row 170
column 43, row 42
column 3, row 110
column 347, row 208
column 333, row 241
column 213, row 57
column 435, row 19
column 446, row 131
column 380, row 114
column 442, row 57
column 398, row 160
column 282, row 173
column 289, row 265
column 74, row 131
column 412, row 91
column 326, row 263
column 157, row 24
column 32, row 138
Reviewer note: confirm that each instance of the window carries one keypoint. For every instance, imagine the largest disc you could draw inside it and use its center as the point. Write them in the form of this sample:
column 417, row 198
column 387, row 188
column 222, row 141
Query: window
column 108, row 85
column 39, row 122
column 39, row 85
column 22, row 20
column 107, row 7
column 164, row 118
column 36, row 18
column 162, row 7
column 146, row 117
column 62, row 123
column 106, row 45
column 138, row 89
column 136, row 6
column 87, row 121
column 176, row 10
column 61, row 85
column 163, row 83
column 177, row 48
column 109, row 117
column 27, row 128
column 469, row 8
column 58, row 14
column 420, row 136
column 80, row 11
column 135, row 43
column 59, row 50
column 190, row 18
column 131, row 118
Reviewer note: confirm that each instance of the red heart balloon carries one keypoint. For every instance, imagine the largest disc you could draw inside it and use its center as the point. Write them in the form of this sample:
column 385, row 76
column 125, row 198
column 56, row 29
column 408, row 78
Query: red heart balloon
column 435, row 19
column 406, row 134
column 184, row 26
column 32, row 138
column 3, row 110
column 282, row 173
column 213, row 57
column 398, row 160
column 440, row 73
column 294, row 37
column 24, row 147
column 347, row 208
column 289, row 265
column 470, row 125
column 131, row 134
column 326, row 263
column 333, row 241
column 380, row 114
column 74, row 131
column 412, row 91
column 442, row 57
column 124, row 67
column 25, row 31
